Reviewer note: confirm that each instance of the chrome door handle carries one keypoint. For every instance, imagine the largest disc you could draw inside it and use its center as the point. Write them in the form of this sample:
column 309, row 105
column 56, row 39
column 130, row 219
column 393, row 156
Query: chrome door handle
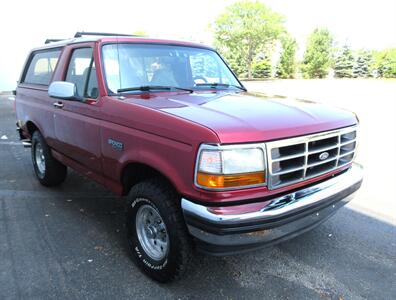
column 58, row 104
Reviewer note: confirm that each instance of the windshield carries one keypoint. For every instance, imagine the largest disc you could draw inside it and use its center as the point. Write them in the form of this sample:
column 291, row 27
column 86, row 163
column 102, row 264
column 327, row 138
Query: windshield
column 135, row 65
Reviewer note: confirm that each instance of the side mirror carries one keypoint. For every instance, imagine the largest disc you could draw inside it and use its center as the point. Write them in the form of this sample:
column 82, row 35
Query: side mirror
column 63, row 90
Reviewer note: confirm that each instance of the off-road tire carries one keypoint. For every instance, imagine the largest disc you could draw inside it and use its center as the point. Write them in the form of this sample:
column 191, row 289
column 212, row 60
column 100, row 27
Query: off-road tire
column 158, row 194
column 54, row 172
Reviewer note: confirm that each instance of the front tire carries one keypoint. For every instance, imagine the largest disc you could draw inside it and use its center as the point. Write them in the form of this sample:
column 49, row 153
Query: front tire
column 157, row 235
column 48, row 170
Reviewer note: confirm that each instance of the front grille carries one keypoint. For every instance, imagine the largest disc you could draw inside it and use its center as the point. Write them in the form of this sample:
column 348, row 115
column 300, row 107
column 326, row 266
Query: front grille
column 296, row 159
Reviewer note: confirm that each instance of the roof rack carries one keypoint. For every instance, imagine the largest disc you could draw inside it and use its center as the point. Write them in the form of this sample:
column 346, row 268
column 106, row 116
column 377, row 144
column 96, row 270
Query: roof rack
column 47, row 41
column 82, row 33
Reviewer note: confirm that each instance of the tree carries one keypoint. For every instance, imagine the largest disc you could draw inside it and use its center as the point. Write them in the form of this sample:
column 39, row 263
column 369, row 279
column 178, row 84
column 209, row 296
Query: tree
column 235, row 61
column 140, row 33
column 318, row 54
column 287, row 65
column 363, row 64
column 261, row 67
column 385, row 63
column 244, row 29
column 344, row 63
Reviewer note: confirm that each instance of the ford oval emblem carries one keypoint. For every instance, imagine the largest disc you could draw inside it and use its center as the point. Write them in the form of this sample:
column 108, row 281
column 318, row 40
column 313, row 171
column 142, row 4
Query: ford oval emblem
column 324, row 155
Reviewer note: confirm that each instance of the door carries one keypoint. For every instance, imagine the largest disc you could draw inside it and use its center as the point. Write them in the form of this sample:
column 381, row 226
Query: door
column 77, row 127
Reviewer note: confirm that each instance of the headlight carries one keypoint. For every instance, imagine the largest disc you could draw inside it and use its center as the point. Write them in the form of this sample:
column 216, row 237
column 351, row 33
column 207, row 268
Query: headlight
column 230, row 167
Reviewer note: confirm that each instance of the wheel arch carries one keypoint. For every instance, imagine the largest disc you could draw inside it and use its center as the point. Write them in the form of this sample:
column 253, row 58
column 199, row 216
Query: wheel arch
column 31, row 127
column 135, row 172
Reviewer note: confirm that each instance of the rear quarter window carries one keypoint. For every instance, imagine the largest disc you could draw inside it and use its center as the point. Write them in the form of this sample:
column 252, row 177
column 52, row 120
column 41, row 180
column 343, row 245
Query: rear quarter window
column 41, row 67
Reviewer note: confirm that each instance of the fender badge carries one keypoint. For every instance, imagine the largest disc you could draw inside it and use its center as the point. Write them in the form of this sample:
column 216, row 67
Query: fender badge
column 116, row 145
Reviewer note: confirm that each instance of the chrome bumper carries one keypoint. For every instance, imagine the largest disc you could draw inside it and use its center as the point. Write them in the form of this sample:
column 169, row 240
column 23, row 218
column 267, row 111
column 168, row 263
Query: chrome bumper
column 278, row 219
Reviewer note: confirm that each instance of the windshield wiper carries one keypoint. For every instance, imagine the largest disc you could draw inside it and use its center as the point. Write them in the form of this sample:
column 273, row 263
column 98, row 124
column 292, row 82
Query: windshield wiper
column 218, row 84
column 147, row 88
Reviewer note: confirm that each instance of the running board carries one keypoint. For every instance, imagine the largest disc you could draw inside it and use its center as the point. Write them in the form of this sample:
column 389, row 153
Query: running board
column 27, row 143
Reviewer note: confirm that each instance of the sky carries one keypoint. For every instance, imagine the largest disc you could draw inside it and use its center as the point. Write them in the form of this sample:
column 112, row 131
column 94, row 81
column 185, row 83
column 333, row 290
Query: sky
column 361, row 24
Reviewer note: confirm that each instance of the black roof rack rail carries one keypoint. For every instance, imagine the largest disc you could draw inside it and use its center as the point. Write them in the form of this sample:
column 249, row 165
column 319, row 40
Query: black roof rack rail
column 82, row 33
column 47, row 41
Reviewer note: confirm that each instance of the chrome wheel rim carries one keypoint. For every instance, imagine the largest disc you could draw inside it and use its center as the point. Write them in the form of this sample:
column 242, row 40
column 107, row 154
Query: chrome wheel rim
column 39, row 157
column 152, row 233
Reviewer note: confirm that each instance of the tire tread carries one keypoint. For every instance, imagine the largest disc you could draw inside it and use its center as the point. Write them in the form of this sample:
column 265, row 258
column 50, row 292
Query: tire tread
column 169, row 197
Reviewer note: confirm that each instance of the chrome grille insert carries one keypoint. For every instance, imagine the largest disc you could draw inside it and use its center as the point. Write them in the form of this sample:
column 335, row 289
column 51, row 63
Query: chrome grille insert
column 296, row 159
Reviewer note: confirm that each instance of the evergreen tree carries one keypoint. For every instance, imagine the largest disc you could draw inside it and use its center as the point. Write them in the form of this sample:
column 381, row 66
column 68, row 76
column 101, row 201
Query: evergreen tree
column 344, row 62
column 318, row 55
column 287, row 65
column 362, row 67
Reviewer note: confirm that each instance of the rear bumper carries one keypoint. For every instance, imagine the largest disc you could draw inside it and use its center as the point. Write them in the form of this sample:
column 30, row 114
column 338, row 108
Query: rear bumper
column 224, row 231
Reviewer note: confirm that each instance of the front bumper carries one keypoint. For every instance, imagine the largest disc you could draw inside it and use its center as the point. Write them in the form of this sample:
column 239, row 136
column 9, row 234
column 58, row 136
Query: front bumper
column 221, row 231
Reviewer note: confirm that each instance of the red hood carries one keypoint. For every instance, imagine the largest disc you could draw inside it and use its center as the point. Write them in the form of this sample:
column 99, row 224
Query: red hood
column 244, row 117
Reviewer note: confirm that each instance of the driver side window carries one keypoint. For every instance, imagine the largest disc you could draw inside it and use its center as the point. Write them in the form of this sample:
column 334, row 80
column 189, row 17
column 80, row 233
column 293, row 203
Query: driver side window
column 82, row 73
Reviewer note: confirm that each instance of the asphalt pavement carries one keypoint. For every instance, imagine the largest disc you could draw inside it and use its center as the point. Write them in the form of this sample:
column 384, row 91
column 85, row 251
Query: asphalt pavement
column 68, row 243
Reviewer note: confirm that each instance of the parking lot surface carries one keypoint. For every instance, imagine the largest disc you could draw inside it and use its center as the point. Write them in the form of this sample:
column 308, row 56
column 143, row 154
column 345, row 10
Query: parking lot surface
column 68, row 242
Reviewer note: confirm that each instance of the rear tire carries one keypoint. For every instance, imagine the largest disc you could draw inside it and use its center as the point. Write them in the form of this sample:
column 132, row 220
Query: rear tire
column 48, row 170
column 157, row 235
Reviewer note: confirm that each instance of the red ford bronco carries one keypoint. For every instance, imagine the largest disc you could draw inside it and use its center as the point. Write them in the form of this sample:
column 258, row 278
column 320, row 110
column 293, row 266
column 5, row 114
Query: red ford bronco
column 204, row 163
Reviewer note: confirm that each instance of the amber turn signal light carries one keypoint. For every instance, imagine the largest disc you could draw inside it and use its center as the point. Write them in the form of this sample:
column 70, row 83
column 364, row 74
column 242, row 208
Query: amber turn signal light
column 227, row 181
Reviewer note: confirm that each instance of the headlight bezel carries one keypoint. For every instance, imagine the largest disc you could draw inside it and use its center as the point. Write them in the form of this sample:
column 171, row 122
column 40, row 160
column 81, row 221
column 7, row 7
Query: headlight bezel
column 219, row 147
